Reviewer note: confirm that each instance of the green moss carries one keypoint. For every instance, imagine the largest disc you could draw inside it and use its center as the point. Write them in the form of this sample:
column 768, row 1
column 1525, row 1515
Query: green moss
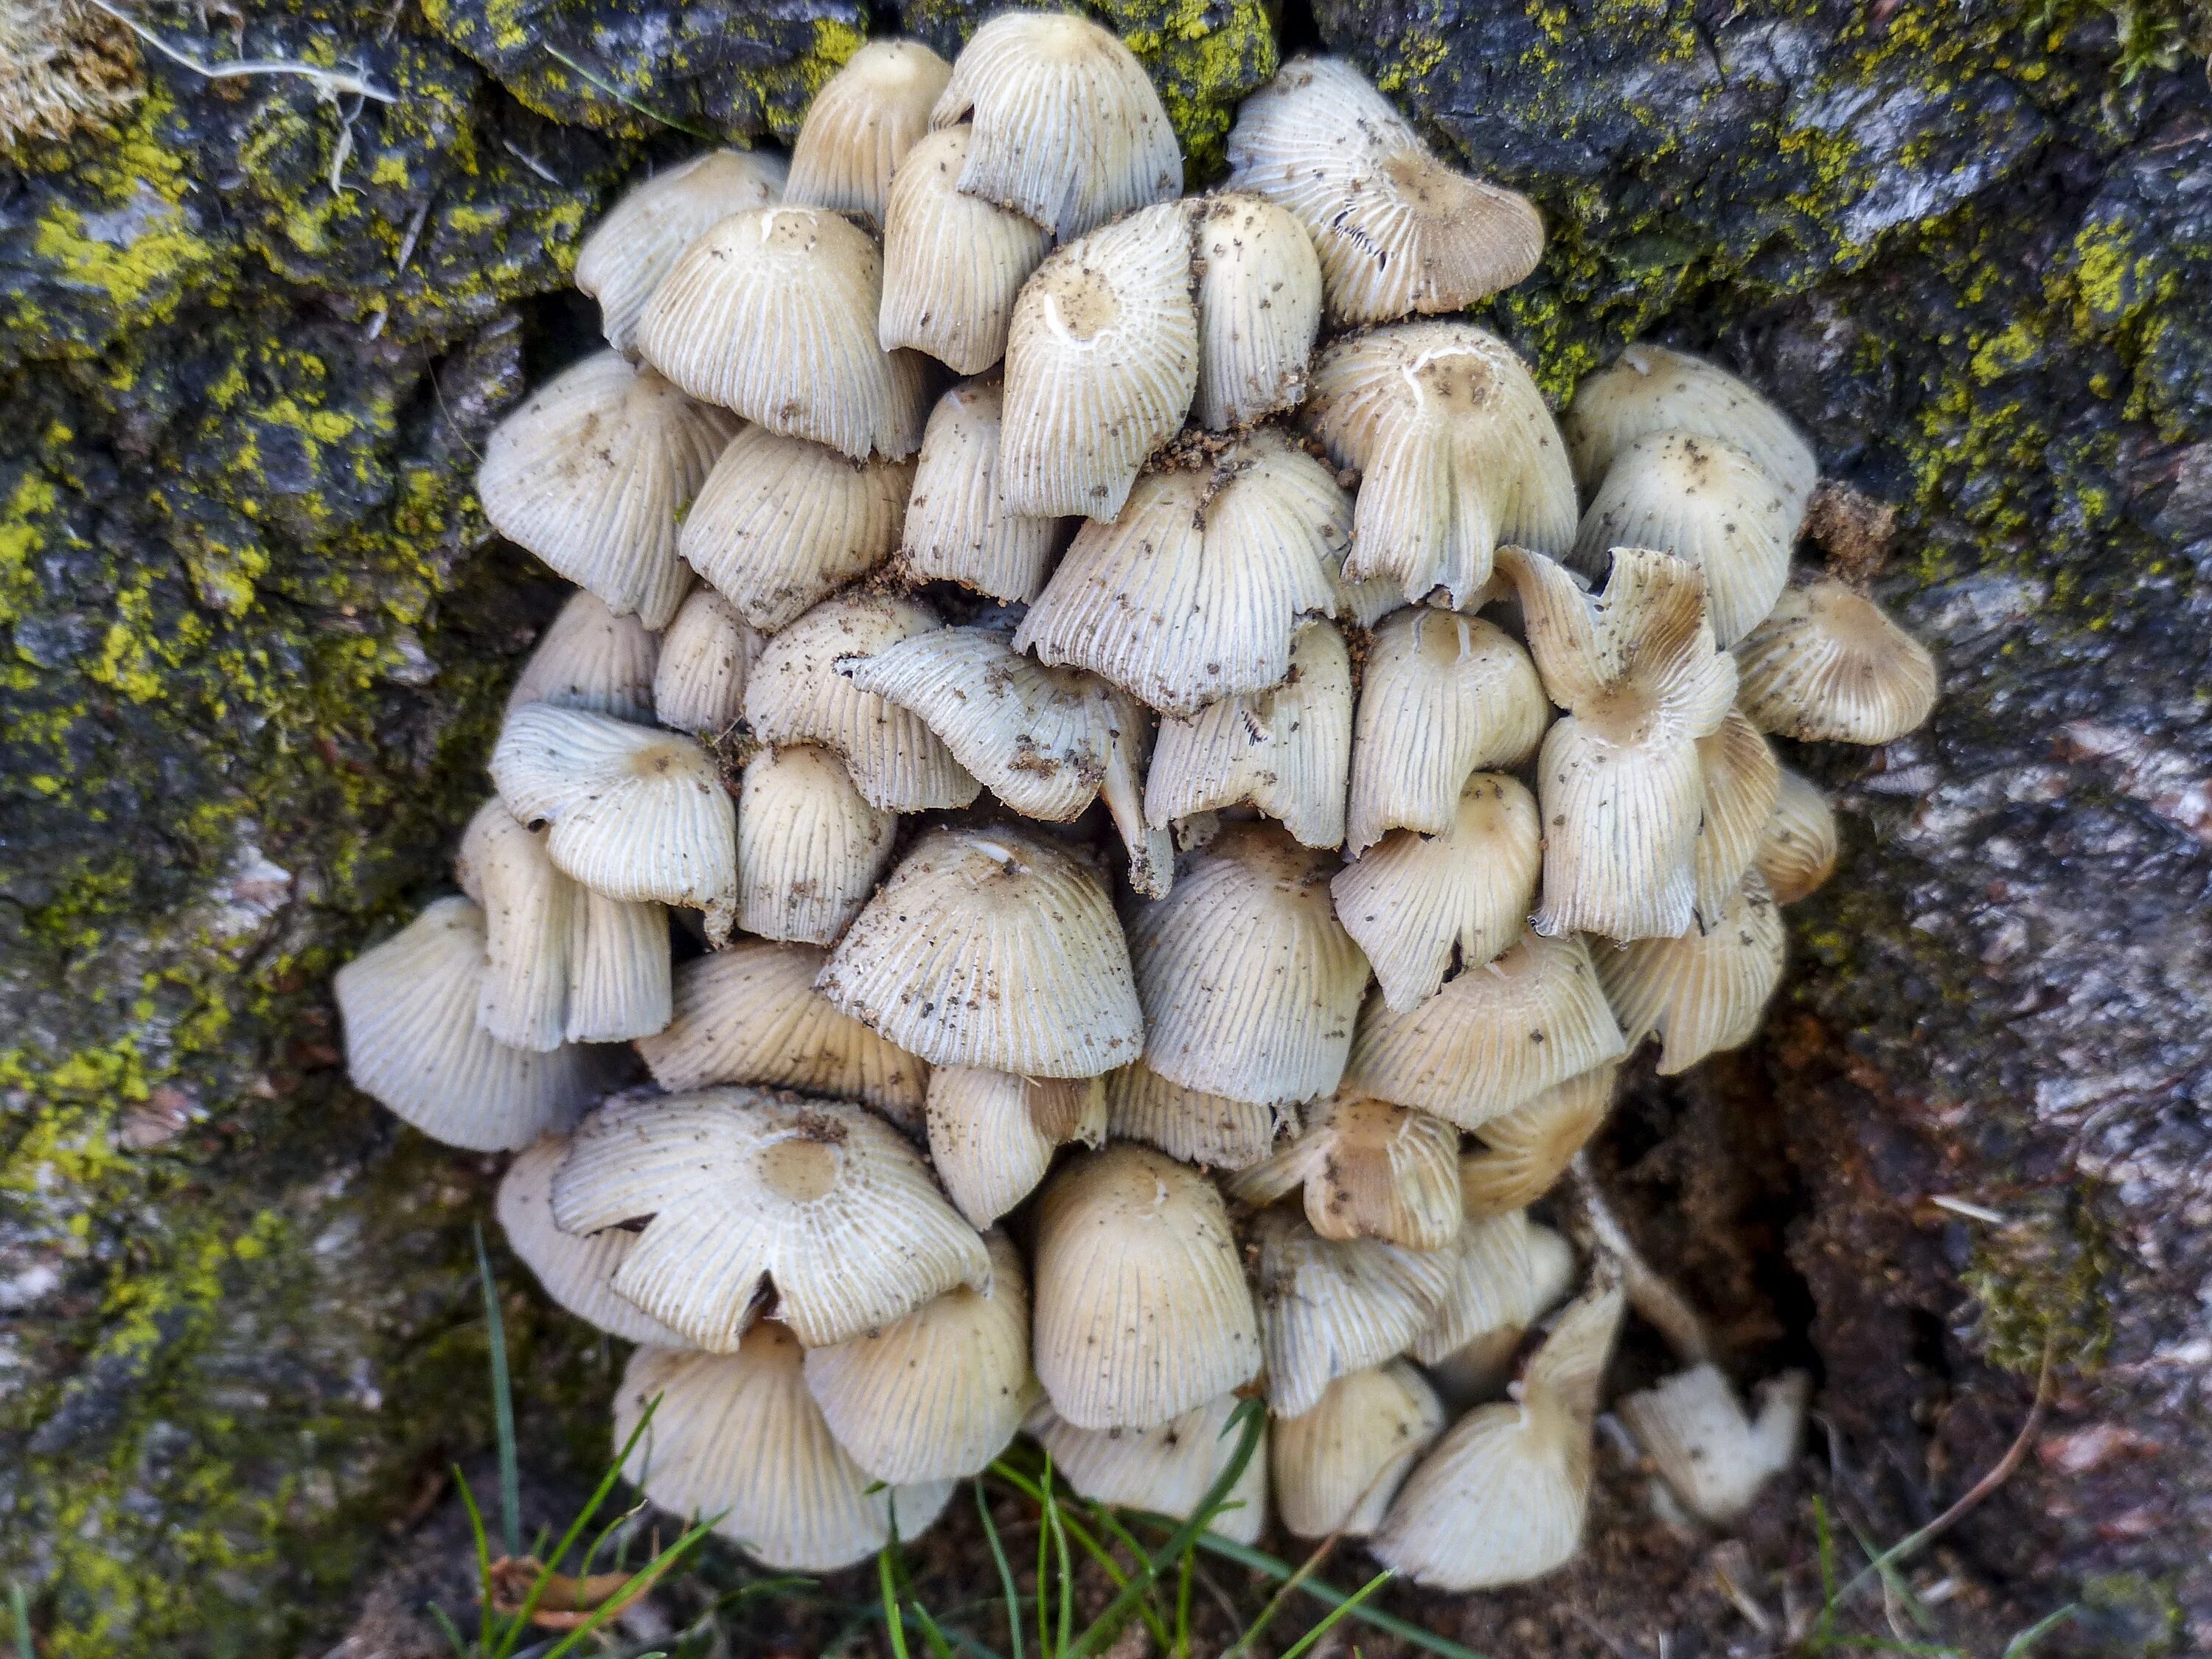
column 1204, row 56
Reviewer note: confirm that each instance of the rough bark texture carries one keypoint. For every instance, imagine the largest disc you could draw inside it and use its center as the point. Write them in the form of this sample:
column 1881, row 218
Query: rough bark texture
column 256, row 644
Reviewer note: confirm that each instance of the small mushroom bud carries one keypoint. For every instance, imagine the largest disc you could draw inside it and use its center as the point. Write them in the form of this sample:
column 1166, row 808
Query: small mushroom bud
column 1369, row 1170
column 1168, row 1469
column 1797, row 848
column 1528, row 1148
column 992, row 1135
column 1711, row 1455
column 1706, row 991
column 958, row 527
column 952, row 264
column 1329, row 1306
column 699, row 685
column 1829, row 666
column 862, row 125
column 810, row 849
column 1259, row 308
column 645, row 234
column 590, row 658
column 1211, row 1131
column 577, row 1271
column 1337, row 1466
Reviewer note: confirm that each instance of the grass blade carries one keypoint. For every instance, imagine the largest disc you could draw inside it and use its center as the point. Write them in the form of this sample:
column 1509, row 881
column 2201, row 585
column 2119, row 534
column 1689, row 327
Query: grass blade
column 1006, row 1572
column 1281, row 1570
column 2035, row 1632
column 502, row 1407
column 19, row 1611
column 1341, row 1611
column 643, row 1578
column 892, row 1623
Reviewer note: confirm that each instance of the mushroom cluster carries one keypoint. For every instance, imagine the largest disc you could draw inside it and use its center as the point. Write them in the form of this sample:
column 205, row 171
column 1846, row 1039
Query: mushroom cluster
column 1173, row 835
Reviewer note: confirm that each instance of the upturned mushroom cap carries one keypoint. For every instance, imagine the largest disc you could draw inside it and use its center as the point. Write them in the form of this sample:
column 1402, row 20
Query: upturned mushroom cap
column 1259, row 308
column 958, row 527
column 1528, row 1148
column 1497, row 1309
column 1142, row 1311
column 412, row 1041
column 1706, row 991
column 1328, row 1308
column 992, row 949
column 1444, row 696
column 739, row 1189
column 1797, row 848
column 591, row 473
column 1493, row 1038
column 781, row 523
column 810, row 849
column 738, row 1436
column 992, row 1135
column 938, row 1395
column 1650, row 389
column 1829, row 666
column 699, row 685
column 1399, row 232
column 1197, row 590
column 1249, row 984
column 1168, row 1469
column 1457, row 453
column 1211, row 1131
column 773, row 313
column 1742, row 780
column 636, row 814
column 578, row 1273
column 1337, row 1466
column 1068, row 130
column 796, row 695
column 1419, row 906
column 1712, row 1455
column 861, row 125
column 590, row 658
column 952, row 264
column 1369, row 1170
column 645, row 234
column 1102, row 363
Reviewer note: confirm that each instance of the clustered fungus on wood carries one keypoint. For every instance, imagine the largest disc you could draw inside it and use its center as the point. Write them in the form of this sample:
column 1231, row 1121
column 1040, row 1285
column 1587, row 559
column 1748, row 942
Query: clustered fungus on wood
column 1403, row 884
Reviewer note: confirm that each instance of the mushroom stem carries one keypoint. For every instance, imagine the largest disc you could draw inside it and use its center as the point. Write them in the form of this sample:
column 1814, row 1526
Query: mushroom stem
column 1655, row 1298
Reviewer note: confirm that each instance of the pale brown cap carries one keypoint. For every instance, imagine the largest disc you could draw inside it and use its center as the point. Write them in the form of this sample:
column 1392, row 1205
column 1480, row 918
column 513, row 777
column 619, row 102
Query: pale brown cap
column 1651, row 388
column 645, row 234
column 1798, row 847
column 809, row 848
column 699, row 685
column 590, row 658
column 1828, row 665
column 952, row 264
column 1337, row 1466
column 1168, row 1469
column 1259, row 308
column 1712, row 1455
column 1707, row 990
column 1370, row 1169
column 958, row 527
column 1331, row 1307
column 1212, row 1131
column 992, row 1135
column 577, row 1271
column 862, row 125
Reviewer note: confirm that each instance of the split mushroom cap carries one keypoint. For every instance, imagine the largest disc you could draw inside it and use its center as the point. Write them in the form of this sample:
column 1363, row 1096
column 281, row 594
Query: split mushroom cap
column 1797, row 850
column 739, row 1188
column 699, row 685
column 992, row 1135
column 952, row 263
column 1211, row 1131
column 576, row 1272
column 781, row 523
column 1829, row 666
column 589, row 658
column 1456, row 450
column 1259, row 309
column 1398, row 232
column 1102, row 363
column 1419, row 905
column 1528, row 1148
column 1443, row 697
column 1369, row 1170
column 1650, row 389
column 1329, row 1308
column 1706, row 991
column 1142, row 1311
column 1068, row 130
column 590, row 474
column 773, row 313
column 1168, row 1469
column 1712, row 1455
column 1249, row 983
column 1287, row 751
column 1742, row 783
column 958, row 527
column 1494, row 1037
column 1197, row 590
column 991, row 948
column 1337, row 1466
column 1492, row 1307
column 796, row 695
column 737, row 1436
column 861, row 125
column 1502, row 1497
column 645, row 234
column 413, row 1043
column 636, row 814
column 810, row 849
column 938, row 1395
column 1710, row 504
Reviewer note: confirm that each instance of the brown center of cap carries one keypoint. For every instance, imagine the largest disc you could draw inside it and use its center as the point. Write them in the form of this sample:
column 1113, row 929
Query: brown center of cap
column 798, row 1169
column 1085, row 303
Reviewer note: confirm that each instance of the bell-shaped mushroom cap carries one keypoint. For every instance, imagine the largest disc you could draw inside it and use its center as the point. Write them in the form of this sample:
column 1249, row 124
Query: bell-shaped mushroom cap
column 958, row 527
column 591, row 473
column 1444, row 696
column 862, row 125
column 576, row 1272
column 1530, row 1147
column 990, row 948
column 749, row 1014
column 1456, row 450
column 795, row 695
column 739, row 1186
column 992, row 1135
column 1495, row 1037
column 773, row 313
column 412, row 1041
column 1068, row 130
column 781, row 523
column 636, row 814
column 1797, row 848
column 810, row 849
column 1259, row 308
column 738, row 1436
column 1370, row 1170
column 645, row 234
column 1328, row 1308
column 1510, row 1273
column 1708, row 503
column 1829, row 666
column 1742, row 780
column 1167, row 1469
column 1142, row 1311
column 1196, row 592
column 1212, row 1131
column 1337, row 1466
column 1502, row 1497
column 1712, row 1455
column 1652, row 389
column 1287, row 751
column 1419, row 905
column 1102, row 361
column 1706, row 991
column 1249, row 983
column 590, row 658
column 952, row 263
column 699, row 685
column 938, row 1395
